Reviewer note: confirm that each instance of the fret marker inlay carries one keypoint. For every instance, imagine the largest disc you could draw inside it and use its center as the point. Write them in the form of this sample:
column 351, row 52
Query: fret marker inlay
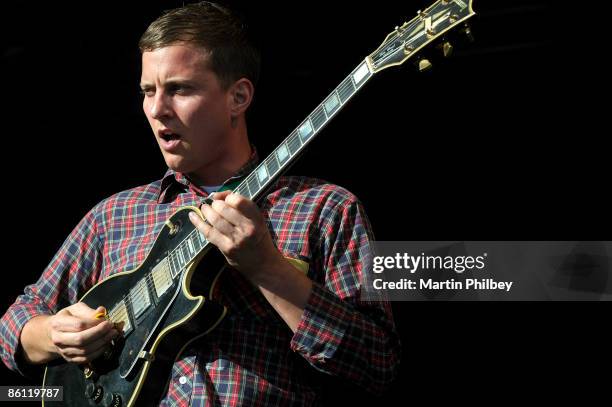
column 361, row 73
column 331, row 104
column 262, row 173
column 306, row 130
column 282, row 153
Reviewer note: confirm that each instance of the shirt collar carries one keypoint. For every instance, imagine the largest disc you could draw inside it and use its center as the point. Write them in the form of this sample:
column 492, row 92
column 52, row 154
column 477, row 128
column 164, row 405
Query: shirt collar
column 174, row 182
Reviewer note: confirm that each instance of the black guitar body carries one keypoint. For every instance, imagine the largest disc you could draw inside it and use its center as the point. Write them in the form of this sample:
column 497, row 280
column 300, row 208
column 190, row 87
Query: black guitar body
column 137, row 370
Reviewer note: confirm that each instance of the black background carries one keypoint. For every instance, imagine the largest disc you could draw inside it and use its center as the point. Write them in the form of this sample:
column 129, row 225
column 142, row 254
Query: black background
column 497, row 143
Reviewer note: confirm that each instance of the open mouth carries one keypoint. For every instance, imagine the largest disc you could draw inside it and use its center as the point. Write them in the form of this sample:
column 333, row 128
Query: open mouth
column 169, row 141
column 170, row 136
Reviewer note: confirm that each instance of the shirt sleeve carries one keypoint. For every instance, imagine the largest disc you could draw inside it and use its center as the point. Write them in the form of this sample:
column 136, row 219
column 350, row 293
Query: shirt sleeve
column 340, row 334
column 72, row 271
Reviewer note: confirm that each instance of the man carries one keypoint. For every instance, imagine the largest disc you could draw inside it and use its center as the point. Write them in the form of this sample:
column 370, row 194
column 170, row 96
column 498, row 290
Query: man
column 296, row 260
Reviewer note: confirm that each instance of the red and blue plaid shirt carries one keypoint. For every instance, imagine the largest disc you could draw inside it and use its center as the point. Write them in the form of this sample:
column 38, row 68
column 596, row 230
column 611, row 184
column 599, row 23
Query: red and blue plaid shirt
column 252, row 357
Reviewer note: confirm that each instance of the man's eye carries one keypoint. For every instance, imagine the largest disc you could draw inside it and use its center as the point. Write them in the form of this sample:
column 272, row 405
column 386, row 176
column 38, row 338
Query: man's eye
column 147, row 92
column 178, row 89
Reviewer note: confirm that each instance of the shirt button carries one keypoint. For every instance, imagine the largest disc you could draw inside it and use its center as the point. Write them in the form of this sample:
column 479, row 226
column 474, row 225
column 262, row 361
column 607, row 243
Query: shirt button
column 182, row 380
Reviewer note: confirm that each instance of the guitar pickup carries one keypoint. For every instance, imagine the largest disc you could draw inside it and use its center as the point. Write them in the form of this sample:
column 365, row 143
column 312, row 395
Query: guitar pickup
column 140, row 298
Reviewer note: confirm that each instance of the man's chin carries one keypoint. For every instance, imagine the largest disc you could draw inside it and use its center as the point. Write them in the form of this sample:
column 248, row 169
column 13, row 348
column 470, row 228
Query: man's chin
column 178, row 166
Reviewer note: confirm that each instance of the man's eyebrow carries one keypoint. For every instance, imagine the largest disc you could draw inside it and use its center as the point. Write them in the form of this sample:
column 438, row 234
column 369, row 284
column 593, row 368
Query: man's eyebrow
column 170, row 82
column 178, row 81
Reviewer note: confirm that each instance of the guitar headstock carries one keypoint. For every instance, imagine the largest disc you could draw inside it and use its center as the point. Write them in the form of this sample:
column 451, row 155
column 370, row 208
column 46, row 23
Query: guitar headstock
column 429, row 26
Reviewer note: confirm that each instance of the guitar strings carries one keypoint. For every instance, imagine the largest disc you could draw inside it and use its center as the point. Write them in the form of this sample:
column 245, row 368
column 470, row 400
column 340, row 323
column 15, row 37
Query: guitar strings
column 138, row 294
column 120, row 311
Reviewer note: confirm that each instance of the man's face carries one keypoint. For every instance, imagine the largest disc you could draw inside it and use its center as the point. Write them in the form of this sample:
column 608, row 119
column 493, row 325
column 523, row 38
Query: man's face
column 186, row 106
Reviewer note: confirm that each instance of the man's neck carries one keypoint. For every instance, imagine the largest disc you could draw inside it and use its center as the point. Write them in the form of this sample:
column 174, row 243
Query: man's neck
column 227, row 164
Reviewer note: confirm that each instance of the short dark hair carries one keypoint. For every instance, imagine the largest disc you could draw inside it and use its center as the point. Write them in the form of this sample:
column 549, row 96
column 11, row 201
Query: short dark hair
column 213, row 27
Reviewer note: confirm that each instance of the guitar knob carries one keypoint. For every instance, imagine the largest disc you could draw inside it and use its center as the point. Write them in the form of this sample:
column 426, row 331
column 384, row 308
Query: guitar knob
column 112, row 400
column 424, row 65
column 96, row 393
column 90, row 373
column 447, row 49
column 90, row 388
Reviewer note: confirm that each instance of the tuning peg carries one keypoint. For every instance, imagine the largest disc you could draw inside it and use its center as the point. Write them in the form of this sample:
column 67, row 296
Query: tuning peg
column 467, row 30
column 447, row 49
column 408, row 48
column 424, row 65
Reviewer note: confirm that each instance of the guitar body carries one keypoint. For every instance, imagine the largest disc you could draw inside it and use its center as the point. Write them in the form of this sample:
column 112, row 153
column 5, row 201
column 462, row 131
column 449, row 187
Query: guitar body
column 138, row 368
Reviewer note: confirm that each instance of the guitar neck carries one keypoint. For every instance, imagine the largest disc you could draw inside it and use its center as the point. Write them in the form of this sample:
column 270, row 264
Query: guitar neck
column 256, row 183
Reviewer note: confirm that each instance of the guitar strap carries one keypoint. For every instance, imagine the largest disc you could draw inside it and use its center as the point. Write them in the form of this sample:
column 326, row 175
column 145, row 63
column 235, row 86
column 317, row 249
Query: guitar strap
column 231, row 184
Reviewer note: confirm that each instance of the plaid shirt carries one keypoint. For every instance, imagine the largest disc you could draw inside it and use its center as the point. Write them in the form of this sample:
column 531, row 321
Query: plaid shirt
column 252, row 357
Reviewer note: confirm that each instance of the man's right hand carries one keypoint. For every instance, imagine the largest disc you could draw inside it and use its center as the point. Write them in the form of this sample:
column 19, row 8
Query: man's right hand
column 73, row 334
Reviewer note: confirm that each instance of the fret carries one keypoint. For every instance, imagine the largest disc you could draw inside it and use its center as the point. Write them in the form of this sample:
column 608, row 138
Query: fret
column 253, row 184
column 190, row 247
column 332, row 104
column 179, row 257
column 346, row 90
column 282, row 153
column 185, row 252
column 201, row 240
column 294, row 143
column 247, row 189
column 177, row 261
column 243, row 189
column 171, row 265
column 195, row 241
column 272, row 164
column 319, row 118
column 175, row 264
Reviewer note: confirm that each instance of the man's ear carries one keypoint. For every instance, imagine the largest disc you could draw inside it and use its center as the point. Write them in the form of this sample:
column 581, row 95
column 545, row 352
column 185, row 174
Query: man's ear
column 241, row 96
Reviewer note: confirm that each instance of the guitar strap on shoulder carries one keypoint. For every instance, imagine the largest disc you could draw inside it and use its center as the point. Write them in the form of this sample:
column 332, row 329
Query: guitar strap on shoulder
column 228, row 186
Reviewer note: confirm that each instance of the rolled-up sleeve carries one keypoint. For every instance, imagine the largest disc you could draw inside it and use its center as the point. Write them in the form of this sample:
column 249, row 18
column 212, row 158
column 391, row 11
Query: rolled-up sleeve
column 340, row 334
column 71, row 272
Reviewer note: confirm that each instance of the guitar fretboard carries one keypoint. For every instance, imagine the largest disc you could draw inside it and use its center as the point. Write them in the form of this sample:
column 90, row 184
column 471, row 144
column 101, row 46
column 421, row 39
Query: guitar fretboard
column 284, row 155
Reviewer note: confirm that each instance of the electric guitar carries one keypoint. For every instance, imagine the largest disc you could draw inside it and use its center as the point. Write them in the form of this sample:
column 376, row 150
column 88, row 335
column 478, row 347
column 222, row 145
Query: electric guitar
column 154, row 305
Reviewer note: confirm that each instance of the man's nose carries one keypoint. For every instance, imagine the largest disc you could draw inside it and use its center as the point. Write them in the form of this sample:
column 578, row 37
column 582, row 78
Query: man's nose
column 161, row 106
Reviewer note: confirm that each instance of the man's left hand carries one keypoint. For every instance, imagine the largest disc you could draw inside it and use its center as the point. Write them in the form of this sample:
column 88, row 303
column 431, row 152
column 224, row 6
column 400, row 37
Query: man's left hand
column 236, row 226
